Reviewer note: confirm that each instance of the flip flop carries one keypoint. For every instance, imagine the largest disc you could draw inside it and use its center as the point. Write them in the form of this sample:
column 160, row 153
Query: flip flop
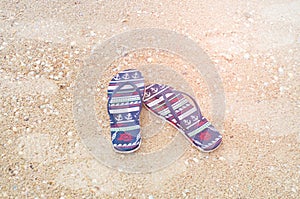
column 125, row 93
column 174, row 106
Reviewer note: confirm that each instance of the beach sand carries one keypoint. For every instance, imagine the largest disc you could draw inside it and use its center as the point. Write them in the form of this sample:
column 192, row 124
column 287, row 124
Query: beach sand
column 254, row 47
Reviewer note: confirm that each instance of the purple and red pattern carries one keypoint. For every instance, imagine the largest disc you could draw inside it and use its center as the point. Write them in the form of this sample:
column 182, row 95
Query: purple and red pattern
column 125, row 93
column 175, row 107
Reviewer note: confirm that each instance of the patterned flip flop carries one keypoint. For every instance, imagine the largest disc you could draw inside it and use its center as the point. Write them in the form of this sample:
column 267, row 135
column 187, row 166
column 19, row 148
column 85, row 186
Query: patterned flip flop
column 125, row 93
column 174, row 106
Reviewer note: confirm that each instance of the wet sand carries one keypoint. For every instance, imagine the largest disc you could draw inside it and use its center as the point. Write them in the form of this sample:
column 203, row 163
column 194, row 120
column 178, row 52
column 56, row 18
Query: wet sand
column 254, row 47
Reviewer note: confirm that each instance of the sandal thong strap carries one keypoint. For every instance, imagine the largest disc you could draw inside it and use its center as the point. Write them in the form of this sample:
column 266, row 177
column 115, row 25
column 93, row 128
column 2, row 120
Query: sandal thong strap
column 135, row 88
column 169, row 105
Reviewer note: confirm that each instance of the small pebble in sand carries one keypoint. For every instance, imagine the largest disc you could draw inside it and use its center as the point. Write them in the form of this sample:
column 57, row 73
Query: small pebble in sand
column 73, row 43
column 280, row 70
column 247, row 56
column 228, row 57
column 186, row 162
column 92, row 33
column 222, row 158
column 149, row 60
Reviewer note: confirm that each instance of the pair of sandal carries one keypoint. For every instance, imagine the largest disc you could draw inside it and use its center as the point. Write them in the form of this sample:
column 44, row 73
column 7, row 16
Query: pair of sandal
column 127, row 93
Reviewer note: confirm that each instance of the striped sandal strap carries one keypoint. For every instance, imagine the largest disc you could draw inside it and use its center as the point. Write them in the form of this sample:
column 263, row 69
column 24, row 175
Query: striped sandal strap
column 135, row 88
column 195, row 104
column 169, row 105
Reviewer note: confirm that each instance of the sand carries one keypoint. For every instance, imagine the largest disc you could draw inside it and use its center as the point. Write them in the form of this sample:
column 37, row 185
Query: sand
column 47, row 47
